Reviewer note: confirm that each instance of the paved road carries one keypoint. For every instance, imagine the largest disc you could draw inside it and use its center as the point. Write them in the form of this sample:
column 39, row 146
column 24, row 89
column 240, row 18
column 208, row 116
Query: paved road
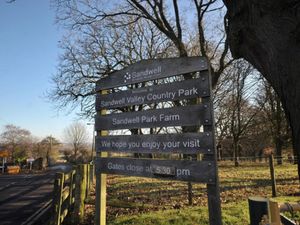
column 22, row 195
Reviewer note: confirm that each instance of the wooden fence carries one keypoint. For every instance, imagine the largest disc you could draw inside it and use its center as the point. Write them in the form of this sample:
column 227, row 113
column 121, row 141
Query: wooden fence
column 70, row 192
column 64, row 188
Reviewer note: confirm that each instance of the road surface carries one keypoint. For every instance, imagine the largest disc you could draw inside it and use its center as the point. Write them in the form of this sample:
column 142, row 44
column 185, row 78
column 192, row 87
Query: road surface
column 21, row 196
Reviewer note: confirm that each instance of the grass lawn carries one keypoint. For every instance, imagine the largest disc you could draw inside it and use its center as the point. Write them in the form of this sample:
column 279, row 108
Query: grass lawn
column 133, row 200
column 232, row 214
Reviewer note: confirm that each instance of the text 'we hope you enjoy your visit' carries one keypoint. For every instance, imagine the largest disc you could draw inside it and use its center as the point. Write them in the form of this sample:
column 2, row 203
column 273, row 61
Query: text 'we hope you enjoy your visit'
column 189, row 143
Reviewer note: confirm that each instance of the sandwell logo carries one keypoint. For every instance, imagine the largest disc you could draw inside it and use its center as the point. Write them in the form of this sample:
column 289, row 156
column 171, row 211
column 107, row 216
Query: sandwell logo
column 142, row 75
column 127, row 77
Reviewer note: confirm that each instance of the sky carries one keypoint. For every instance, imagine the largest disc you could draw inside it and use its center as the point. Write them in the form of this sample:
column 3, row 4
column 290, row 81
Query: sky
column 28, row 58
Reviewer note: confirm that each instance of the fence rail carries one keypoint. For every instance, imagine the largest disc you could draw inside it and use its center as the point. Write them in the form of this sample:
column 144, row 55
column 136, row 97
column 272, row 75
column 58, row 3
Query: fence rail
column 260, row 159
column 70, row 191
column 64, row 187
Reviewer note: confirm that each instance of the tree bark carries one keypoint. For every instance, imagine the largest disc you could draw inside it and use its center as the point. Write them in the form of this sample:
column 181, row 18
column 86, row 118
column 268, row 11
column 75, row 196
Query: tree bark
column 278, row 150
column 236, row 153
column 267, row 34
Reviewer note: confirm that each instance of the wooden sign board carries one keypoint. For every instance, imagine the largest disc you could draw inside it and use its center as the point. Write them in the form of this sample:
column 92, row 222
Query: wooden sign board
column 184, row 170
column 185, row 143
column 152, row 69
column 158, row 93
column 194, row 115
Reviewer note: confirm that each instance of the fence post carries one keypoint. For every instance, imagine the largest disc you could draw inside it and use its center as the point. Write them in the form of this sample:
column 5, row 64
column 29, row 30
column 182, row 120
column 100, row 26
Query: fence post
column 258, row 207
column 92, row 174
column 100, row 206
column 71, row 199
column 272, row 171
column 72, row 188
column 100, row 214
column 87, row 180
column 213, row 189
column 190, row 189
column 58, row 189
column 80, row 193
column 274, row 213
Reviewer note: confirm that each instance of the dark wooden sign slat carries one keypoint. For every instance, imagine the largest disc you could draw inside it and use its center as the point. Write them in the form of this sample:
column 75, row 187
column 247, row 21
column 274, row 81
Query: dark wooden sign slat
column 152, row 69
column 184, row 170
column 186, row 143
column 177, row 116
column 159, row 93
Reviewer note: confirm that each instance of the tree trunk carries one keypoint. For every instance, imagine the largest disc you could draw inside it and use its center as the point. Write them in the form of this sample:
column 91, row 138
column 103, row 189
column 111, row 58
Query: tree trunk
column 278, row 150
column 75, row 154
column 267, row 34
column 236, row 153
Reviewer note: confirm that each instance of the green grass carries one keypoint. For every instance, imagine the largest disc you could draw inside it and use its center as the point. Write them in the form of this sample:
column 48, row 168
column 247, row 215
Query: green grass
column 232, row 214
column 144, row 201
column 126, row 204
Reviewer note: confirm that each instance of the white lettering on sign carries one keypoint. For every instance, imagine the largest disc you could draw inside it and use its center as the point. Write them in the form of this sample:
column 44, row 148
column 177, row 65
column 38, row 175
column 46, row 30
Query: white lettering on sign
column 112, row 102
column 115, row 166
column 134, row 144
column 183, row 172
column 156, row 97
column 106, row 144
column 140, row 75
column 141, row 99
column 163, row 170
column 136, row 99
column 171, row 144
column 187, row 92
column 135, row 168
column 147, row 119
column 191, row 143
column 134, row 120
column 170, row 117
column 158, row 170
column 152, row 145
column 119, row 144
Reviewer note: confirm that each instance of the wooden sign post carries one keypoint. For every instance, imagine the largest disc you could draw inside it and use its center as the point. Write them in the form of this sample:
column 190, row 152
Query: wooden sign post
column 194, row 116
column 100, row 206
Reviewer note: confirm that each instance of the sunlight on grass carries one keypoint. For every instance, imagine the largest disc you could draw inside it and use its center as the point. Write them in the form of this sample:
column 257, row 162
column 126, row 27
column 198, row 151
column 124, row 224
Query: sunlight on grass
column 232, row 215
column 146, row 201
